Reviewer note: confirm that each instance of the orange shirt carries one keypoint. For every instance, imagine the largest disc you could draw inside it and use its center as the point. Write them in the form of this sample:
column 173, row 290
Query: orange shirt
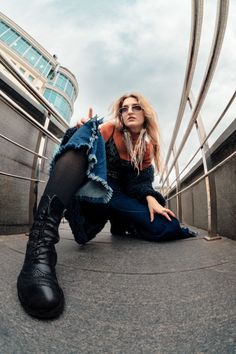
column 108, row 129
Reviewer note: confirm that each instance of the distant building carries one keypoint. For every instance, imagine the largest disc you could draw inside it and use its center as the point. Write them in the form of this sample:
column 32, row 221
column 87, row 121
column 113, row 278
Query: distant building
column 55, row 82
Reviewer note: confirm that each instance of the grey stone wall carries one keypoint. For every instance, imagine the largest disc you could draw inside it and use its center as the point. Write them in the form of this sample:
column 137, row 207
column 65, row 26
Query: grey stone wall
column 194, row 200
column 17, row 196
column 225, row 178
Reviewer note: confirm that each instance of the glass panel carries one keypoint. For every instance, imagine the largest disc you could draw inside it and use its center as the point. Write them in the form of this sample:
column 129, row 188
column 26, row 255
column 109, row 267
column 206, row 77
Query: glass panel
column 64, row 110
column 42, row 63
column 9, row 36
column 46, row 94
column 47, row 69
column 32, row 56
column 69, row 89
column 59, row 102
column 61, row 82
column 73, row 94
column 20, row 46
column 64, row 107
column 52, row 97
column 31, row 78
column 3, row 27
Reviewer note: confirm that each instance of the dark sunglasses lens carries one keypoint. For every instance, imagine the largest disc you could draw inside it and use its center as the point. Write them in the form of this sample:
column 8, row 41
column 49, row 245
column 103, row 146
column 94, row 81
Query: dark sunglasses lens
column 123, row 110
column 137, row 108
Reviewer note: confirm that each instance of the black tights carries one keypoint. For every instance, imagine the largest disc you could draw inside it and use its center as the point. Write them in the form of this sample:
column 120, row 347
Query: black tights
column 68, row 175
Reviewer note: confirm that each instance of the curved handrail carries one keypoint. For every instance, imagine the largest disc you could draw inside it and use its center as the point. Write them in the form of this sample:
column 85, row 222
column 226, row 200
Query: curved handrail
column 196, row 28
column 205, row 140
column 213, row 169
column 221, row 21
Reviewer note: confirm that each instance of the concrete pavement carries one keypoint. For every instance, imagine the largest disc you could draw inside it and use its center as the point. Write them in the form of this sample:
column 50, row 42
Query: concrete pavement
column 127, row 296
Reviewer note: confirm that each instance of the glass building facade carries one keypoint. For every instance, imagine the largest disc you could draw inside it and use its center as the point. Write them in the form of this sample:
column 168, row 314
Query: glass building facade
column 23, row 48
column 59, row 102
column 59, row 90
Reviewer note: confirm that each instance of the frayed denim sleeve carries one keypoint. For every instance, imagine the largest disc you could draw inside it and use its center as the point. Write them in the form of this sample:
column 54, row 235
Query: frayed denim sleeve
column 95, row 189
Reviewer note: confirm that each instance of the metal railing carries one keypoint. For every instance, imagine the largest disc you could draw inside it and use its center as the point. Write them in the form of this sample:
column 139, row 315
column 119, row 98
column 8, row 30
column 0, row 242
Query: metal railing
column 49, row 112
column 196, row 120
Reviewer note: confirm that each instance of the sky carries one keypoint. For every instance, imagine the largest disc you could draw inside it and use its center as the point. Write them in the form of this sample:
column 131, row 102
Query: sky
column 114, row 47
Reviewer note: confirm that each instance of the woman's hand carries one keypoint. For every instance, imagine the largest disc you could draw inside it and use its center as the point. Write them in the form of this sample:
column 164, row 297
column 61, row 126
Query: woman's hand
column 156, row 208
column 82, row 121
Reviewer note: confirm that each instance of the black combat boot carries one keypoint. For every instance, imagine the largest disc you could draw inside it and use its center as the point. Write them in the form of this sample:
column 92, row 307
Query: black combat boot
column 37, row 285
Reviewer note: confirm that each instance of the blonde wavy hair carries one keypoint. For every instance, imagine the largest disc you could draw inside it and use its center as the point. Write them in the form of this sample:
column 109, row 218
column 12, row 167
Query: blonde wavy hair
column 150, row 123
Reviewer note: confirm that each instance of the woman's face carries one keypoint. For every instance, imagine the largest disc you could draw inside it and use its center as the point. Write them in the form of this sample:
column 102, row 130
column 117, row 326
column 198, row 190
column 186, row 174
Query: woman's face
column 132, row 115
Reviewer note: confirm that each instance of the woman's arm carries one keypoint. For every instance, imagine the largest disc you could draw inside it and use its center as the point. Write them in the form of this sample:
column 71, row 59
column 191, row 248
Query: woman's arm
column 140, row 186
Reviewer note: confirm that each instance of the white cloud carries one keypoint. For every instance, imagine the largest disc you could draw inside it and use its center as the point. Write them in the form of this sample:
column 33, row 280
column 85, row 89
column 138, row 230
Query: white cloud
column 116, row 46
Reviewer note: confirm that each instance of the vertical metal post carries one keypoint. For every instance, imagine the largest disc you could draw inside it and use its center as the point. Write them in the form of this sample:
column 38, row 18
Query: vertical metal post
column 210, row 179
column 178, row 187
column 33, row 202
column 164, row 191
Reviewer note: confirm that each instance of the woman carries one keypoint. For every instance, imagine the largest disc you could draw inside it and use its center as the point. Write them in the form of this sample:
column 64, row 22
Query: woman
column 101, row 172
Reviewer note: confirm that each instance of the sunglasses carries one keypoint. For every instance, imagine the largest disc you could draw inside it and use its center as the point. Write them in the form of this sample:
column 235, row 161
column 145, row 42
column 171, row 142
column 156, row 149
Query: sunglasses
column 135, row 108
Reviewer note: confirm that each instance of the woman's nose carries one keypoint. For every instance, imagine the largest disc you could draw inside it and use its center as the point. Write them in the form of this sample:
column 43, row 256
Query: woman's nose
column 130, row 109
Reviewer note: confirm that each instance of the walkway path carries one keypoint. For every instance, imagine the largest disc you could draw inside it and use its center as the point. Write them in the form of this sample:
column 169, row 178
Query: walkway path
column 127, row 296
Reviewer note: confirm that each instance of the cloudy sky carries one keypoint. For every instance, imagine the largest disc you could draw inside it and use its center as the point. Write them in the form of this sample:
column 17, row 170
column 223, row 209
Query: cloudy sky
column 115, row 46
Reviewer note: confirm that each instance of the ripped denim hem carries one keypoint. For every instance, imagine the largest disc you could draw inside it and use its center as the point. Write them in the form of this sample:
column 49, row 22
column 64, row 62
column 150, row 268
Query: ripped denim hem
column 95, row 189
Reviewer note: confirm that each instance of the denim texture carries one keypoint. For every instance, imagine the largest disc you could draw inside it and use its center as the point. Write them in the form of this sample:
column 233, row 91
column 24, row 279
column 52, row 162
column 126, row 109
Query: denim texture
column 100, row 198
column 96, row 188
column 130, row 210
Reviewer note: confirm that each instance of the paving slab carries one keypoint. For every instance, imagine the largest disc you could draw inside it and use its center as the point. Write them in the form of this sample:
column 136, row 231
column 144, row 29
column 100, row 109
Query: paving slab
column 127, row 296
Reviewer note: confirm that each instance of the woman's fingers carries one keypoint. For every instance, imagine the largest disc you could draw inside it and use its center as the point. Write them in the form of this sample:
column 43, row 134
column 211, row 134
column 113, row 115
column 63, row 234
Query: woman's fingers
column 171, row 213
column 156, row 208
column 166, row 212
column 85, row 120
column 151, row 215
column 90, row 113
